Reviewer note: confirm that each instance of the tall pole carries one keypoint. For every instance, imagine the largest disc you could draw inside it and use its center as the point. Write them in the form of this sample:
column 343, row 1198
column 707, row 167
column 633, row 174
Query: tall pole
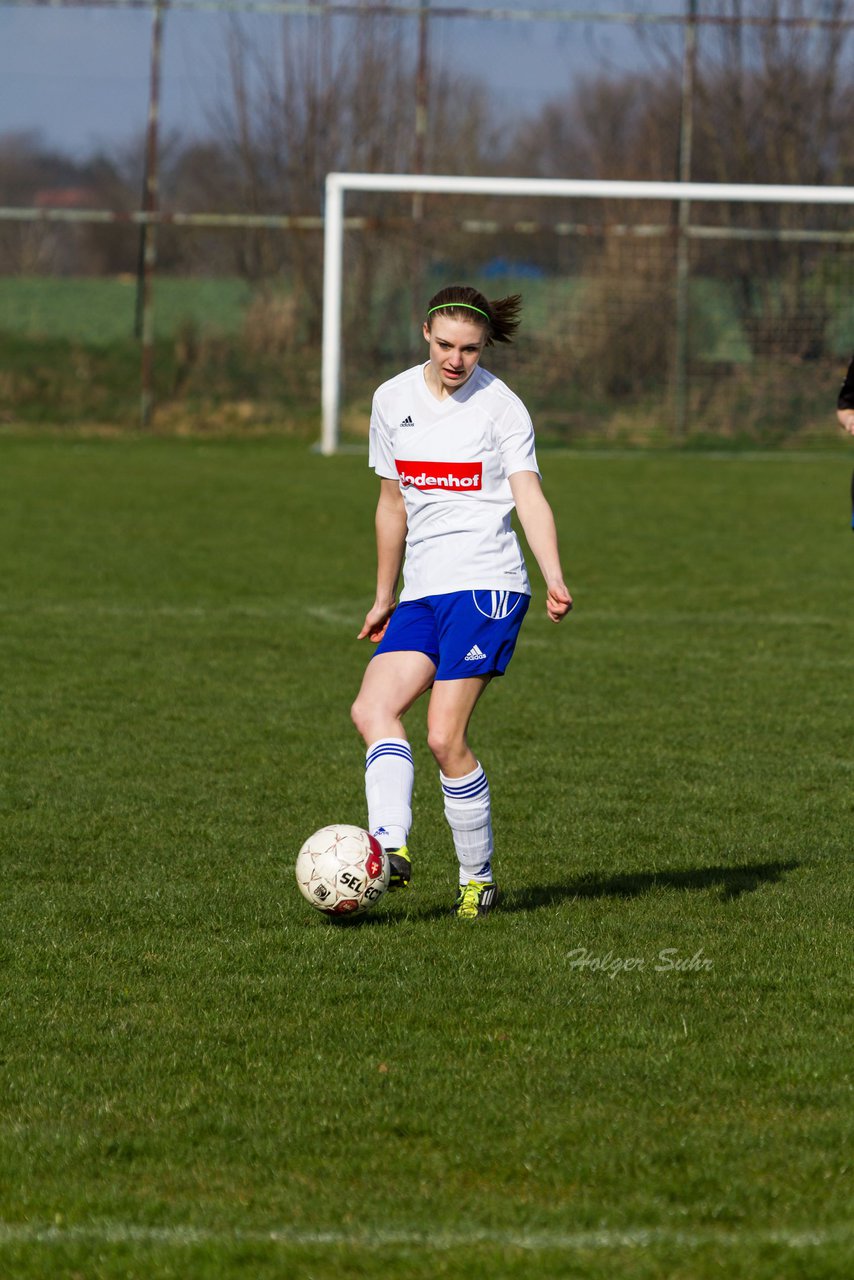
column 333, row 276
column 149, row 231
column 422, row 98
column 683, row 263
column 421, row 101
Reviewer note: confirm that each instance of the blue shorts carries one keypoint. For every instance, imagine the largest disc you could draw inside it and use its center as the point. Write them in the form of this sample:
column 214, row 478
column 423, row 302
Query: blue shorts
column 465, row 633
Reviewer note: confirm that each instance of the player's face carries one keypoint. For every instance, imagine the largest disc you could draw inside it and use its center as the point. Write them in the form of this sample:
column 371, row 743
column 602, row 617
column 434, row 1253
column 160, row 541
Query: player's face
column 455, row 348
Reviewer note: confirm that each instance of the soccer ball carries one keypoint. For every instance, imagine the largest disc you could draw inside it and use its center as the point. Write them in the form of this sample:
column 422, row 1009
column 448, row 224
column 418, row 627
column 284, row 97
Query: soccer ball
column 342, row 870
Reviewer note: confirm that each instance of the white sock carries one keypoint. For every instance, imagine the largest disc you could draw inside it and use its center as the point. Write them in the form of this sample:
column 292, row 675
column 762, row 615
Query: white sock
column 469, row 815
column 389, row 775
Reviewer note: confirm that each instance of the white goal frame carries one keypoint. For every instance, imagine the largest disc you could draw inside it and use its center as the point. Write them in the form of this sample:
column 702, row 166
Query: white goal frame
column 338, row 184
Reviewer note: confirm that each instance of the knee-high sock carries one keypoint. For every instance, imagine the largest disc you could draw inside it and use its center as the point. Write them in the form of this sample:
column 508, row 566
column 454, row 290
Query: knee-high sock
column 469, row 815
column 389, row 775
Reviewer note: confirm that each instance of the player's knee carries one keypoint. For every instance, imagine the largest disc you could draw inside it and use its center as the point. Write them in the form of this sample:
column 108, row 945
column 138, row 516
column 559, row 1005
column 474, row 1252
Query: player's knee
column 373, row 719
column 444, row 745
column 360, row 714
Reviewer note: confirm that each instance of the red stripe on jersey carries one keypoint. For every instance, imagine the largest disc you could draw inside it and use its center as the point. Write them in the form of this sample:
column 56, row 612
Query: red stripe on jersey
column 458, row 477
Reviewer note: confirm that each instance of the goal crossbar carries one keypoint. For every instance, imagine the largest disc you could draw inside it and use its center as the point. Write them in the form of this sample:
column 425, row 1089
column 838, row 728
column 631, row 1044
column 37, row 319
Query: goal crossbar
column 338, row 184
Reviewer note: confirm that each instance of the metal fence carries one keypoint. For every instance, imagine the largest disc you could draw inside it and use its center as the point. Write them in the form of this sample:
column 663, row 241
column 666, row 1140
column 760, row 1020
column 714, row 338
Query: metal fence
column 646, row 321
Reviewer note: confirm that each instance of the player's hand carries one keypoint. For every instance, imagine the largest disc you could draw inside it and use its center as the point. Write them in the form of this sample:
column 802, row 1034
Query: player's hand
column 376, row 621
column 558, row 601
column 846, row 420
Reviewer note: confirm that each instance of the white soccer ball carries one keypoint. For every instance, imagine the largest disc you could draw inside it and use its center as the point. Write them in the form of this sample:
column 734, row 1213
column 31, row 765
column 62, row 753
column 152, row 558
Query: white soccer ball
column 342, row 870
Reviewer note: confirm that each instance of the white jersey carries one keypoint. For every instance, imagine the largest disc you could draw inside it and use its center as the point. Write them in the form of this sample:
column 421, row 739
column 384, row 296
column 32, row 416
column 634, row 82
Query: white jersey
column 453, row 458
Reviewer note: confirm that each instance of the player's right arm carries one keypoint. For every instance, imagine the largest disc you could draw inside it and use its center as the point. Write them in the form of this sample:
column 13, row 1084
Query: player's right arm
column 390, row 525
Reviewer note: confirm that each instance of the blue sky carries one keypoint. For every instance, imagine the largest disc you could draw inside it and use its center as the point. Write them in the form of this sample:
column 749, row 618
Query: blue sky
column 79, row 77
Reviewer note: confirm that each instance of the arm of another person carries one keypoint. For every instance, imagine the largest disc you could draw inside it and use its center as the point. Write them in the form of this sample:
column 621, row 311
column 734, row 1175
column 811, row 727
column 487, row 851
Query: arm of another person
column 391, row 539
column 537, row 520
column 845, row 403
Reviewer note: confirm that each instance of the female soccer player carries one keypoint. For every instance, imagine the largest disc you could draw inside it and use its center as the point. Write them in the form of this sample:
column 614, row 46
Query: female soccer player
column 845, row 416
column 454, row 450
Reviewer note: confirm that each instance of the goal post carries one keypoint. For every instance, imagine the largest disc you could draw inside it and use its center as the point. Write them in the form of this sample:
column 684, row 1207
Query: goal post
column 339, row 184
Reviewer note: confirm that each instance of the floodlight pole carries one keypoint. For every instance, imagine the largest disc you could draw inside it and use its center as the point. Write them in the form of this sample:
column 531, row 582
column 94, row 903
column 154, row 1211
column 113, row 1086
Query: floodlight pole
column 149, row 230
column 333, row 257
column 683, row 249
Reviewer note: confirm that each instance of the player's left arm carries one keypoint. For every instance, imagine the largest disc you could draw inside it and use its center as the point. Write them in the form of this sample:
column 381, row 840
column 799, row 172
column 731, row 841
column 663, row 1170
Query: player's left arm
column 537, row 520
column 845, row 403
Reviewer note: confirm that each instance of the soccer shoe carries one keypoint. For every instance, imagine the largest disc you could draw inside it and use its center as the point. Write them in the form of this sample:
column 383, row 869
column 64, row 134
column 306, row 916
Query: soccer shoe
column 475, row 899
column 400, row 866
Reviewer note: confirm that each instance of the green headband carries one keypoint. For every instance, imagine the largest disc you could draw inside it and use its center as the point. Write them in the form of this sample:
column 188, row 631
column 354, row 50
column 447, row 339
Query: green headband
column 449, row 306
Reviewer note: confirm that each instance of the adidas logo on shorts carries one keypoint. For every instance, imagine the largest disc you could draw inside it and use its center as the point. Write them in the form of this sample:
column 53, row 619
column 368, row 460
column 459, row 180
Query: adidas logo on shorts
column 475, row 654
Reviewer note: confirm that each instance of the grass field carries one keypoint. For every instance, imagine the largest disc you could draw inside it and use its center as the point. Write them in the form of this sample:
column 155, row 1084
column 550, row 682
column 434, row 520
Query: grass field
column 640, row 1068
column 100, row 311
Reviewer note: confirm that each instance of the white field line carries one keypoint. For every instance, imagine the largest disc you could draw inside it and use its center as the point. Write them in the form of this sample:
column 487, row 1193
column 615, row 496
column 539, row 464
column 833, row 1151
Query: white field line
column 833, row 451
column 336, row 616
column 119, row 1233
column 340, row 617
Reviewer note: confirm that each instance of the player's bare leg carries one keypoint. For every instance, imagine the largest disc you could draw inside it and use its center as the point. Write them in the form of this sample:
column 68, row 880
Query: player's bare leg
column 452, row 704
column 392, row 682
column 465, row 790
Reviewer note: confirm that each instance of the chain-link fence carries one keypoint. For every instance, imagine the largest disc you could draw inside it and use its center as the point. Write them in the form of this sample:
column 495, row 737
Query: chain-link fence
column 182, row 285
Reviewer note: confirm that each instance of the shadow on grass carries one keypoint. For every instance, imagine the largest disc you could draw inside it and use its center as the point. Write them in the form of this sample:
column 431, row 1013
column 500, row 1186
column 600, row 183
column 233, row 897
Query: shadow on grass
column 730, row 882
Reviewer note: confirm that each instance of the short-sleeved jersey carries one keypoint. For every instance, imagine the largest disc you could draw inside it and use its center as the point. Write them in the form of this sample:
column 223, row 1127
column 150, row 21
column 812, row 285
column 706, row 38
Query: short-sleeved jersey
column 453, row 459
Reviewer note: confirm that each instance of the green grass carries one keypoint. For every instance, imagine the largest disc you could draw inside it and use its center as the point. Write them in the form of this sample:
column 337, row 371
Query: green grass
column 226, row 358
column 100, row 311
column 58, row 384
column 203, row 1078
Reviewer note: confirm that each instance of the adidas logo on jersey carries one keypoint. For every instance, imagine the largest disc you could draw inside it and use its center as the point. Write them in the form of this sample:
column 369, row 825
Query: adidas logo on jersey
column 475, row 654
column 407, row 421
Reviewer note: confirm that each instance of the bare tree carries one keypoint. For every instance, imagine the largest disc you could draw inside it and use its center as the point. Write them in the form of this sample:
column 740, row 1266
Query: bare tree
column 774, row 104
column 774, row 95
column 33, row 174
column 321, row 96
column 333, row 93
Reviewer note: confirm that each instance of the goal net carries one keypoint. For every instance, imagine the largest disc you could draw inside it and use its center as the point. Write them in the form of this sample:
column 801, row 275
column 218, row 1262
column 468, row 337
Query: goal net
column 652, row 311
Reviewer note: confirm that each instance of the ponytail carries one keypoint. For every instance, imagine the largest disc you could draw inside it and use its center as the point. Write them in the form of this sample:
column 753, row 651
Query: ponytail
column 462, row 302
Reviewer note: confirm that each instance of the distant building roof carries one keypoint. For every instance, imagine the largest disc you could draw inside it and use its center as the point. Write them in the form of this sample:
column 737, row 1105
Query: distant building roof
column 65, row 198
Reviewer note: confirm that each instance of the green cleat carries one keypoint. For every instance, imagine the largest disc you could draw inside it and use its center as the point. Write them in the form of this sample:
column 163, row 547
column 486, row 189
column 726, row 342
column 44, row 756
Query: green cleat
column 475, row 899
column 401, row 867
